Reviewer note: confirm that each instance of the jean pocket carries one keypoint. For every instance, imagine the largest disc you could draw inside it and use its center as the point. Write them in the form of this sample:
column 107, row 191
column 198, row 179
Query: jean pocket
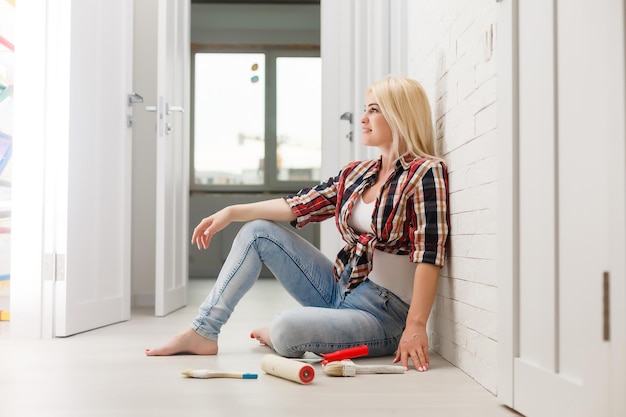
column 395, row 309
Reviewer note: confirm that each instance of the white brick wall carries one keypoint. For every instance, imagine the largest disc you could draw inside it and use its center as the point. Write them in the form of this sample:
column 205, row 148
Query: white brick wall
column 450, row 52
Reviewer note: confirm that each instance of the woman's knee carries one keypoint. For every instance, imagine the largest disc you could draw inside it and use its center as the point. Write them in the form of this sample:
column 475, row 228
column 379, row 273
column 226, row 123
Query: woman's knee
column 256, row 227
column 251, row 231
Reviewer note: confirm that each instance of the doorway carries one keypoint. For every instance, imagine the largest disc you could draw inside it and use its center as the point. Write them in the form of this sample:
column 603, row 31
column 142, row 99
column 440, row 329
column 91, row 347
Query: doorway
column 279, row 46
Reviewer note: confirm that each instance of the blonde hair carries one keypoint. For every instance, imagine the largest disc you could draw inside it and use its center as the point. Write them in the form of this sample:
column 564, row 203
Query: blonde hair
column 404, row 105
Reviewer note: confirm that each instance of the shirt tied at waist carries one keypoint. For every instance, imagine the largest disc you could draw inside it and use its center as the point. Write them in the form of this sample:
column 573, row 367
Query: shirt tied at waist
column 358, row 254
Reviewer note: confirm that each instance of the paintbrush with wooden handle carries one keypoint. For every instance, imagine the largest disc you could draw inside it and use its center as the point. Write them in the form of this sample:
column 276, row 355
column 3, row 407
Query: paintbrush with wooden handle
column 209, row 373
column 348, row 368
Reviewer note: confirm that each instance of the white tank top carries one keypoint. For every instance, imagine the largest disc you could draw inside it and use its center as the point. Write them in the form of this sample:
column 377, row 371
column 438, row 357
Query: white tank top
column 400, row 281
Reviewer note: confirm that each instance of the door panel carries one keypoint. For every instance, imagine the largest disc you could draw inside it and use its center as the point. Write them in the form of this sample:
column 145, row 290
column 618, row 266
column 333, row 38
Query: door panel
column 542, row 392
column 87, row 225
column 537, row 209
column 562, row 363
column 172, row 172
column 340, row 78
column 583, row 178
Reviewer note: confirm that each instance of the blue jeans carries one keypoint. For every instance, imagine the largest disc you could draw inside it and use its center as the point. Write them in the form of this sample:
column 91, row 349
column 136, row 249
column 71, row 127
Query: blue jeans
column 331, row 318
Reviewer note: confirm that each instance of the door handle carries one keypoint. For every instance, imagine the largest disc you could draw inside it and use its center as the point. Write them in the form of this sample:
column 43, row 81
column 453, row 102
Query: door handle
column 169, row 109
column 161, row 110
column 606, row 307
column 134, row 98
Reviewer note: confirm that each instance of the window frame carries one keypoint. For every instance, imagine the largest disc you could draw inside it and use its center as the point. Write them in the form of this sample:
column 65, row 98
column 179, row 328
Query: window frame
column 270, row 184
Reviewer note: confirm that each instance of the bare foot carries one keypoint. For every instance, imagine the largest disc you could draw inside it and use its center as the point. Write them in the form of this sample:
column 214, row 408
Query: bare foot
column 188, row 342
column 262, row 334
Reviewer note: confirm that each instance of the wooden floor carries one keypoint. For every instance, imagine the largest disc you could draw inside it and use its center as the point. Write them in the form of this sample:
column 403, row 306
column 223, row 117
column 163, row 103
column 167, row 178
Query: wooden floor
column 104, row 372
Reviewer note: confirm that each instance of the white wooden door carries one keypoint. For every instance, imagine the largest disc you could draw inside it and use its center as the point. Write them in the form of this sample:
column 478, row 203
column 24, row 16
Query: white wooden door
column 172, row 167
column 87, row 185
column 340, row 124
column 561, row 346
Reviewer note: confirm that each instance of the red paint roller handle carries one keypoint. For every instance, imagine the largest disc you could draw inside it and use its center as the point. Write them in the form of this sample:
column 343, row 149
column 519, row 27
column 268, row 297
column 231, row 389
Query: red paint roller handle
column 353, row 352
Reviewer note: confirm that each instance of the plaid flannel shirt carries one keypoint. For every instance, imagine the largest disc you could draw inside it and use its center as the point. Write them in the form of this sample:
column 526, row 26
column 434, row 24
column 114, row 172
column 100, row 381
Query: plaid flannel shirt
column 410, row 216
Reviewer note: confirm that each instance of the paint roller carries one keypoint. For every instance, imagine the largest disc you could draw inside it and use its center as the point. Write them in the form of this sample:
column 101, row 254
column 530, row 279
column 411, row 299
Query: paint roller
column 289, row 369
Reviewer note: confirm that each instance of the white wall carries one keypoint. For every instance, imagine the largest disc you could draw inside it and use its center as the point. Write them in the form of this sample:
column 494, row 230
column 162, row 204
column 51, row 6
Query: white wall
column 450, row 50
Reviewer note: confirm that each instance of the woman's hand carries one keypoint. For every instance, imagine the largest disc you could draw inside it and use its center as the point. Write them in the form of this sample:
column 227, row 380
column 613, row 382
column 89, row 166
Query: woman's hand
column 208, row 227
column 414, row 341
column 276, row 210
column 414, row 345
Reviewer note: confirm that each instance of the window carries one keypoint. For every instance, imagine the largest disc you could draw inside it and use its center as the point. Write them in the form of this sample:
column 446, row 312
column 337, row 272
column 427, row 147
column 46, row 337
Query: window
column 229, row 122
column 256, row 120
column 298, row 119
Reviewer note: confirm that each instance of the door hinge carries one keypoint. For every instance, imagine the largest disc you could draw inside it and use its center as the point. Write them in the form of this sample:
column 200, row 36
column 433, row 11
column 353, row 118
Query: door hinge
column 53, row 267
column 348, row 116
column 606, row 307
